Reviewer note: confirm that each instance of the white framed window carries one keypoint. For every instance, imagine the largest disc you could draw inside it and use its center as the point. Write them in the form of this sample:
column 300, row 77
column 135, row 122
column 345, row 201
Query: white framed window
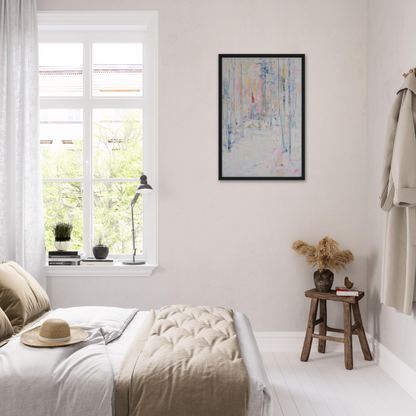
column 98, row 128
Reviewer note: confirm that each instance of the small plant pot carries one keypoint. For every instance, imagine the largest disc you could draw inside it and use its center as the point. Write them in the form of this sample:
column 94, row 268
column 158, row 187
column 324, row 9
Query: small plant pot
column 323, row 280
column 100, row 252
column 62, row 245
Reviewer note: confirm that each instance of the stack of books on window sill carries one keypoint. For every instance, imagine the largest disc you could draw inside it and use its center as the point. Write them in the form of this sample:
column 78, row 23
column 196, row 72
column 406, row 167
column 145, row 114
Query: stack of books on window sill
column 344, row 291
column 93, row 262
column 64, row 258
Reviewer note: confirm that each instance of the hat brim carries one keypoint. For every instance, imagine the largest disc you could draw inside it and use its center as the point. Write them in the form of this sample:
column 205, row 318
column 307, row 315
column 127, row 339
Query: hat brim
column 31, row 338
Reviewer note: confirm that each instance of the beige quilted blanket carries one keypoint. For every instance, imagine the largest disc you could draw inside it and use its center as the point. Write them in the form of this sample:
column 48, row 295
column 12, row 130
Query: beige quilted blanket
column 184, row 361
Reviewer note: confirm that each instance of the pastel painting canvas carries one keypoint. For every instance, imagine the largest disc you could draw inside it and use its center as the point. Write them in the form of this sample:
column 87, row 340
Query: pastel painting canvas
column 261, row 111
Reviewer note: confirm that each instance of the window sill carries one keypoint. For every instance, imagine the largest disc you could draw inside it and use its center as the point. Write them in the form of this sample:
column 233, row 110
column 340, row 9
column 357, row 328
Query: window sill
column 118, row 270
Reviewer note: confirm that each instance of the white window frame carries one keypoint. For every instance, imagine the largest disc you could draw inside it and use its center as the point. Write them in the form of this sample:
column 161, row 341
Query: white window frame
column 124, row 27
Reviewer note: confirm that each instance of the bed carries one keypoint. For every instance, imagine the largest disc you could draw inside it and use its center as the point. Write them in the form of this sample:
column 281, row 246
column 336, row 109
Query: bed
column 115, row 372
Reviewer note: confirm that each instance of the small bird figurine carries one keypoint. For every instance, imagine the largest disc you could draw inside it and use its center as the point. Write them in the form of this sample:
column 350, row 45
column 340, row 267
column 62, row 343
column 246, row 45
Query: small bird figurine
column 347, row 283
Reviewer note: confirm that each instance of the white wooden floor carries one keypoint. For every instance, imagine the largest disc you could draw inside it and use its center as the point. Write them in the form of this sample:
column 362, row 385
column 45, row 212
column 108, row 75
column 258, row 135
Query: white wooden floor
column 323, row 387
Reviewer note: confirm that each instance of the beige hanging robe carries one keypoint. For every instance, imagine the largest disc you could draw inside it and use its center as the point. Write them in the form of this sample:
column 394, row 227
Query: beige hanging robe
column 399, row 199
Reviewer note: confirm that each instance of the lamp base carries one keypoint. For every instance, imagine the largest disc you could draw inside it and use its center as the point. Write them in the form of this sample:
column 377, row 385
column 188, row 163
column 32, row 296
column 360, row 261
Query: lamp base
column 131, row 263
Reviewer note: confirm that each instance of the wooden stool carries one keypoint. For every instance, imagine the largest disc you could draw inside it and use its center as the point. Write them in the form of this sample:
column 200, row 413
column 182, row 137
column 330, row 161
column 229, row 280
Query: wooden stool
column 348, row 331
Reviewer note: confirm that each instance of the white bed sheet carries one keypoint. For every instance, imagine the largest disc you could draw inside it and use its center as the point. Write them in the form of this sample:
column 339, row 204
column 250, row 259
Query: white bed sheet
column 260, row 400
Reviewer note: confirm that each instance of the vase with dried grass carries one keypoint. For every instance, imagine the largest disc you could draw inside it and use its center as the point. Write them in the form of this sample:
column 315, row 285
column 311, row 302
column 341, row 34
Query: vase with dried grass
column 327, row 256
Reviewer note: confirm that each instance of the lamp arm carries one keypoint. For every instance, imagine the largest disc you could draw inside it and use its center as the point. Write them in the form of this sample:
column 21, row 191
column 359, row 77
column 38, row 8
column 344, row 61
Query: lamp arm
column 133, row 203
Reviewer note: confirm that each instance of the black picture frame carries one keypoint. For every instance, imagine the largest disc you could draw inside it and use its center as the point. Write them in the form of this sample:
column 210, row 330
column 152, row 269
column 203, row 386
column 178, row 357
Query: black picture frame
column 222, row 106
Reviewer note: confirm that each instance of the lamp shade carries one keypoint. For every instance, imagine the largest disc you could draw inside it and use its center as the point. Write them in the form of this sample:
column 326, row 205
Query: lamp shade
column 144, row 187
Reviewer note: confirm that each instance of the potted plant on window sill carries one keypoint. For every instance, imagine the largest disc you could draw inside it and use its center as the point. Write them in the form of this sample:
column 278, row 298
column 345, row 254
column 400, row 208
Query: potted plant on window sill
column 62, row 232
column 100, row 250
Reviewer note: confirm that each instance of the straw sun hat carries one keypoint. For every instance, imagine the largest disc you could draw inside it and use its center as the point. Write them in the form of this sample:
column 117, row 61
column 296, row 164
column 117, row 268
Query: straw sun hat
column 53, row 333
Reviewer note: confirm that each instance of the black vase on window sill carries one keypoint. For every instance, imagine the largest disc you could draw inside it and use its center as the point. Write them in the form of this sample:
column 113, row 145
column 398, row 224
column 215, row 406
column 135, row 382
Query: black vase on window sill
column 100, row 252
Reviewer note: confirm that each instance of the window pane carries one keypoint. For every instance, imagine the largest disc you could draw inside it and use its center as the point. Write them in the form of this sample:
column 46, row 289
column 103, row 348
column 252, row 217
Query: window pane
column 62, row 202
column 118, row 144
column 117, row 69
column 112, row 216
column 60, row 69
column 61, row 143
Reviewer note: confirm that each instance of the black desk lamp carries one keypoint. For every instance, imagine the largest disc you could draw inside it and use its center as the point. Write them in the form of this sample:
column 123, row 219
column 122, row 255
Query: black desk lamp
column 143, row 188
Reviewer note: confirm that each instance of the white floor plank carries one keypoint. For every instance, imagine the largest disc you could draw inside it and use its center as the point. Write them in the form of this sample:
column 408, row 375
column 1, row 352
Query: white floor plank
column 277, row 410
column 364, row 387
column 323, row 387
column 397, row 398
column 312, row 393
column 298, row 394
column 349, row 403
column 361, row 397
column 282, row 392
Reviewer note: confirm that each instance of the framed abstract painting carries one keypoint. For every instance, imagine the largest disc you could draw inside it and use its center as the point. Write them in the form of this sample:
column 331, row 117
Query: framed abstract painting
column 262, row 117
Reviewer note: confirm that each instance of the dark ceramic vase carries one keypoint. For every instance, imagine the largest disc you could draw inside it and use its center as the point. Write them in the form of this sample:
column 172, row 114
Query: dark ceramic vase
column 100, row 252
column 323, row 280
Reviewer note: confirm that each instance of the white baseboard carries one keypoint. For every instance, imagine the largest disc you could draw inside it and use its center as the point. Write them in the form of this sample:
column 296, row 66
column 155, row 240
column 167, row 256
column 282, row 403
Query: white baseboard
column 392, row 365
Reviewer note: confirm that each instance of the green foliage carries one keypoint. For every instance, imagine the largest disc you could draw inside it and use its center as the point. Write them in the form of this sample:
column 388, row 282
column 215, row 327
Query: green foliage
column 99, row 241
column 62, row 202
column 117, row 153
column 118, row 149
column 62, row 231
column 61, row 161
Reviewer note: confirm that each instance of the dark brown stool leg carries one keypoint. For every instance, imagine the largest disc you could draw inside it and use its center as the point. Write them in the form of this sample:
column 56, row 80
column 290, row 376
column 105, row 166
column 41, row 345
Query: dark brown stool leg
column 309, row 331
column 361, row 333
column 322, row 325
column 347, row 336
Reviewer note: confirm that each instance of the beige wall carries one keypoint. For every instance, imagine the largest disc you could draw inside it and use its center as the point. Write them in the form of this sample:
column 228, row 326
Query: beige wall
column 228, row 243
column 391, row 51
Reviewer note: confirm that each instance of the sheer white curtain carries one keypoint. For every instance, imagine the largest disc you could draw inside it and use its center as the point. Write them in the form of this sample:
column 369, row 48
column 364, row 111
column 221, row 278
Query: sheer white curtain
column 21, row 211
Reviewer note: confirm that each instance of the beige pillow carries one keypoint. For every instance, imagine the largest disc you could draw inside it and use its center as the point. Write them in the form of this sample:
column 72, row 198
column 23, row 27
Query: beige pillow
column 6, row 329
column 22, row 298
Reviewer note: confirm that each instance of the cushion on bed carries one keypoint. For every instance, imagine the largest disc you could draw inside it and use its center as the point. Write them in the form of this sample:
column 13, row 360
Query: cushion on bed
column 6, row 329
column 22, row 298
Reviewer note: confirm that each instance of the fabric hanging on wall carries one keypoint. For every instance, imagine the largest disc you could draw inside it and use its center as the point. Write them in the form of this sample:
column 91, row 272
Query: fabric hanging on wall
column 21, row 210
column 399, row 199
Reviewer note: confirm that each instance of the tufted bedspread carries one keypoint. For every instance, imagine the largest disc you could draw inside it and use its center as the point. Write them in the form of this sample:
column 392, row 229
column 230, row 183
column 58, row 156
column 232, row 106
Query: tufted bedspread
column 184, row 361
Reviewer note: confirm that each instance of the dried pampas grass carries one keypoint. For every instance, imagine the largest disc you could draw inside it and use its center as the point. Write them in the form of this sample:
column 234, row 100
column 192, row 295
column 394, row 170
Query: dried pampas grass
column 326, row 255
